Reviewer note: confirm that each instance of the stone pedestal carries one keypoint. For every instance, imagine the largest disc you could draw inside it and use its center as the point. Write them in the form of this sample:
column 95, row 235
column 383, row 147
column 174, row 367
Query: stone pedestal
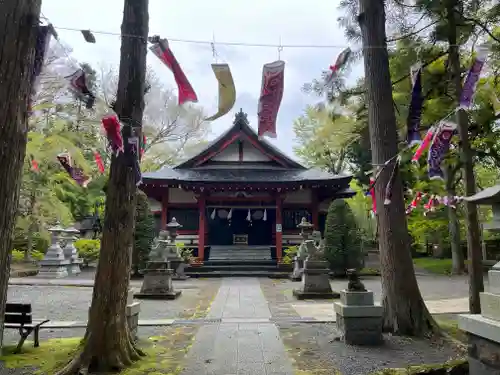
column 71, row 254
column 157, row 283
column 180, row 271
column 132, row 313
column 178, row 266
column 298, row 269
column 359, row 320
column 315, row 281
column 54, row 264
column 484, row 329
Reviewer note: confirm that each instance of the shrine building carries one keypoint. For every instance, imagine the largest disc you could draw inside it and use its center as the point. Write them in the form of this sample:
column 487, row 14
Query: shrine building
column 241, row 192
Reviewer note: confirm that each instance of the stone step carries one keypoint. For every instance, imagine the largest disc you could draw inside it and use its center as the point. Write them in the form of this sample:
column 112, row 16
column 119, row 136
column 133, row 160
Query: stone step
column 235, row 267
column 273, row 274
column 223, row 262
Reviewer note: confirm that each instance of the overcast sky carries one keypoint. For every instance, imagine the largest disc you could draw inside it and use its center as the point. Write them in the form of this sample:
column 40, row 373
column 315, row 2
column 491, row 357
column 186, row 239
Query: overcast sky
column 298, row 22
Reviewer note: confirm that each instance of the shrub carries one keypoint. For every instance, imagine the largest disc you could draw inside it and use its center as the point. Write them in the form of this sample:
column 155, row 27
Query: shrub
column 342, row 238
column 144, row 233
column 18, row 255
column 88, row 250
column 289, row 253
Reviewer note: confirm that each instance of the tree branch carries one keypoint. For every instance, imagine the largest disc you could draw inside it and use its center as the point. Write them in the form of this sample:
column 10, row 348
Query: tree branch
column 480, row 24
column 401, row 79
column 413, row 33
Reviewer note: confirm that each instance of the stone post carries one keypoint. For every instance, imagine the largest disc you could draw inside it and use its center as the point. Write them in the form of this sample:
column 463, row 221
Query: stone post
column 176, row 262
column 306, row 230
column 54, row 264
column 358, row 318
column 132, row 313
column 484, row 329
column 315, row 279
column 70, row 252
column 157, row 283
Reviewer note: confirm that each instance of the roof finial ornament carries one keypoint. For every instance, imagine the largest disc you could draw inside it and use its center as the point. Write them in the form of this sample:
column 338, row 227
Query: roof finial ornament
column 241, row 116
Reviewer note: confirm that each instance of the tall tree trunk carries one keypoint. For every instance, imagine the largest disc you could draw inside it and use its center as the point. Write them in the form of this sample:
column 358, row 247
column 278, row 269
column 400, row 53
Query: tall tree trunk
column 108, row 345
column 32, row 225
column 404, row 309
column 476, row 283
column 457, row 257
column 17, row 51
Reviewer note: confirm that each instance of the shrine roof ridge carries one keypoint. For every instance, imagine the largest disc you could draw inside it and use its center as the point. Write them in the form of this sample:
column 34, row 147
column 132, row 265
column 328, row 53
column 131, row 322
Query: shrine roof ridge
column 246, row 176
column 240, row 124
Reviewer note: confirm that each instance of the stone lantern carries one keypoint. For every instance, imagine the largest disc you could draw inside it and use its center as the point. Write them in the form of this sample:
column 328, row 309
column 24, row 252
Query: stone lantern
column 158, row 274
column 484, row 329
column 70, row 252
column 306, row 229
column 173, row 256
column 54, row 264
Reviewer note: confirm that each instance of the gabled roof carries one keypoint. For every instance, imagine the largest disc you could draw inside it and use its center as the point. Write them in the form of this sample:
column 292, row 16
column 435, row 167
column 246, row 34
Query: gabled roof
column 240, row 130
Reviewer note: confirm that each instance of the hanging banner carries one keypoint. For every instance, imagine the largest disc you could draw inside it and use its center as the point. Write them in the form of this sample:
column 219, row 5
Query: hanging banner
column 75, row 173
column 98, row 161
column 112, row 128
column 79, row 86
column 271, row 93
column 469, row 88
column 425, row 143
column 371, row 193
column 415, row 111
column 162, row 50
column 390, row 184
column 227, row 90
column 439, row 147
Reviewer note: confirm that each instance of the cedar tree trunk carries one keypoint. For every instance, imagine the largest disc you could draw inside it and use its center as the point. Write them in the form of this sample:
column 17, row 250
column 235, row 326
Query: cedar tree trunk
column 404, row 309
column 17, row 51
column 107, row 345
column 475, row 255
column 457, row 257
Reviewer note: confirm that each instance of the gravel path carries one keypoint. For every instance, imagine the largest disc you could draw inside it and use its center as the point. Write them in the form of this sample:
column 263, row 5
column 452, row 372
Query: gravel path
column 316, row 352
column 72, row 303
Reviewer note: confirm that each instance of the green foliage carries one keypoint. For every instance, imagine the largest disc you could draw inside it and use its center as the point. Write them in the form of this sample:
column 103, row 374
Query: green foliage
column 435, row 266
column 289, row 253
column 18, row 256
column 361, row 206
column 186, row 254
column 342, row 238
column 88, row 250
column 144, row 233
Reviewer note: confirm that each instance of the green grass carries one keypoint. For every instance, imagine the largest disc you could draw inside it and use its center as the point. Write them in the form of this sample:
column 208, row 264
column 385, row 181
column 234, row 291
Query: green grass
column 450, row 326
column 433, row 265
column 164, row 355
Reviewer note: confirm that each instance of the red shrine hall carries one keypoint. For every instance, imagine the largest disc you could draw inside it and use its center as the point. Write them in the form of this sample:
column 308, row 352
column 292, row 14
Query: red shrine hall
column 241, row 192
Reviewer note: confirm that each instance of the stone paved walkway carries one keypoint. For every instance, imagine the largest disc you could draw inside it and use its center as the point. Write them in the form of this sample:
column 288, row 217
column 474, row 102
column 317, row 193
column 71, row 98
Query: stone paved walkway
column 245, row 342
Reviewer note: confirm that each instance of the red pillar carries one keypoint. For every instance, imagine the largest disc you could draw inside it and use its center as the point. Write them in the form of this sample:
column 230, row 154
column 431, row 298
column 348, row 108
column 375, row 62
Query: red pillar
column 314, row 210
column 201, row 226
column 164, row 209
column 279, row 228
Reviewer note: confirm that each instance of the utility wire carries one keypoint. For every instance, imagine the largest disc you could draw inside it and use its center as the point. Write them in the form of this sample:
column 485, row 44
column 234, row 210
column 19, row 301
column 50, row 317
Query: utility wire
column 236, row 44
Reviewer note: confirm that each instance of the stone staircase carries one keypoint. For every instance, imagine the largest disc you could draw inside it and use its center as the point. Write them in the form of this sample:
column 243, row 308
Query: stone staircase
column 240, row 261
column 240, row 253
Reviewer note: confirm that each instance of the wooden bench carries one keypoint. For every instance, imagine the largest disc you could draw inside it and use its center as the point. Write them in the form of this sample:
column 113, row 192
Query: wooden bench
column 18, row 316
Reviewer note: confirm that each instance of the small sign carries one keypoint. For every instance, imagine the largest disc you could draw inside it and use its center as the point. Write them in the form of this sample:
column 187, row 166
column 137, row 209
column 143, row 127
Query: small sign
column 278, row 228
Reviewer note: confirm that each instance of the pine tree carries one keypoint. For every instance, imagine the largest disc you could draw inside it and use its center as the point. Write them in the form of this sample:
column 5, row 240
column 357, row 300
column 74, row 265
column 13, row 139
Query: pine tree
column 17, row 52
column 404, row 308
column 108, row 345
column 144, row 233
column 342, row 238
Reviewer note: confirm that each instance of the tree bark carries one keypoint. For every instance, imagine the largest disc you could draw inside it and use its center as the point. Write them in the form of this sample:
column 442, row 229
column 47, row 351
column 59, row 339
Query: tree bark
column 107, row 345
column 404, row 309
column 17, row 51
column 457, row 257
column 476, row 283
